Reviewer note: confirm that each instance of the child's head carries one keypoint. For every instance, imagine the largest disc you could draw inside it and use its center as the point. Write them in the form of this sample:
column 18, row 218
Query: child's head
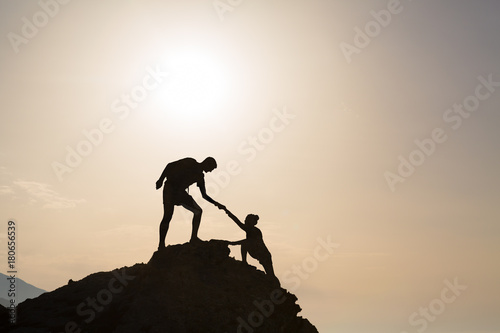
column 251, row 219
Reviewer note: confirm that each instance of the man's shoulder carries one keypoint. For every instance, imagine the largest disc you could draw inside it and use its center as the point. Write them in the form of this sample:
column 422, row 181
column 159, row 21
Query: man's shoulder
column 188, row 167
column 187, row 161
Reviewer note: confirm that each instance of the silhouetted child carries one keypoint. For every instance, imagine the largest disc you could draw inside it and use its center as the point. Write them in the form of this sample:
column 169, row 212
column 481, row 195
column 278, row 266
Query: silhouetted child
column 254, row 243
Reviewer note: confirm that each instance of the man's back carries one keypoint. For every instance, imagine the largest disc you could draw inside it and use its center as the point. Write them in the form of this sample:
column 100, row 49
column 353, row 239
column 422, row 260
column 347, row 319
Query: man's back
column 184, row 172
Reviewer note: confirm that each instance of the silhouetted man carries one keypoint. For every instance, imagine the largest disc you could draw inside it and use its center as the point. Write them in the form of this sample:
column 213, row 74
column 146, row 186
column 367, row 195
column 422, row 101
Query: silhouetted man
column 180, row 175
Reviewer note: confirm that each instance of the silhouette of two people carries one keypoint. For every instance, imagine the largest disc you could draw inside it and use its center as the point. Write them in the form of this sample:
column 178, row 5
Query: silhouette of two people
column 179, row 176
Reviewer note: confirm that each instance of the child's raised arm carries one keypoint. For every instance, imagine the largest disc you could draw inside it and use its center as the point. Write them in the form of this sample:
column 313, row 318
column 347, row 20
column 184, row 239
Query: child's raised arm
column 235, row 219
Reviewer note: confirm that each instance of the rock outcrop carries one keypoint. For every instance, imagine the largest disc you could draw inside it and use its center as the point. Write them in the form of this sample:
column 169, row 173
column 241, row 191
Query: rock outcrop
column 185, row 288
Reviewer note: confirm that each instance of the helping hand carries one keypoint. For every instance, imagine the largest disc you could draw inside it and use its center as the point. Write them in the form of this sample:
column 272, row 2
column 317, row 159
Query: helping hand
column 220, row 206
column 159, row 183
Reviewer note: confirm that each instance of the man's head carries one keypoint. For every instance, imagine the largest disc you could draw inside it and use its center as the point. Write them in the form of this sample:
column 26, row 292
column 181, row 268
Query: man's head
column 251, row 219
column 209, row 164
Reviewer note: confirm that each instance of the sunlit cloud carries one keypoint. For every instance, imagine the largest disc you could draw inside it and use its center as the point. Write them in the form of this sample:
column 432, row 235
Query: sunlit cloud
column 47, row 197
column 4, row 189
column 4, row 171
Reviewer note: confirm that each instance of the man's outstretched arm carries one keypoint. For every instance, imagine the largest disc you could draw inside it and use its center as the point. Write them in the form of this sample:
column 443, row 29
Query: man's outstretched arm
column 203, row 190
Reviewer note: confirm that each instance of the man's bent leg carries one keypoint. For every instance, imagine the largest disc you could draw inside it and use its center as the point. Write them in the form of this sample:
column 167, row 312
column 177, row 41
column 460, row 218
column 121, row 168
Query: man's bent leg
column 196, row 226
column 192, row 206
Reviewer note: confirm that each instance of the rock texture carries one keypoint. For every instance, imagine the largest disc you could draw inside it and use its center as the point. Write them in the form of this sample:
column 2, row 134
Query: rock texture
column 184, row 288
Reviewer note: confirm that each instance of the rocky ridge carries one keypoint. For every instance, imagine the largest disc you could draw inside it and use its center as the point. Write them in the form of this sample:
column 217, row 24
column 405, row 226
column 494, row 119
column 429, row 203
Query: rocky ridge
column 183, row 288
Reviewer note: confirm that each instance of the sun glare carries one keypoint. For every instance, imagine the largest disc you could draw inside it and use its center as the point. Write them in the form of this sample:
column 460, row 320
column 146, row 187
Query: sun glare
column 196, row 86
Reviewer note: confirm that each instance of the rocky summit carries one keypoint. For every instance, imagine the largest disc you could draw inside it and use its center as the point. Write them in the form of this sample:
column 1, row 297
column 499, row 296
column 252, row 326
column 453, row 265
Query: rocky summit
column 185, row 288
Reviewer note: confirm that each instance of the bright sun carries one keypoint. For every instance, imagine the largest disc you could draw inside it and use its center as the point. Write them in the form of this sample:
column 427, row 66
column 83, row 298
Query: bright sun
column 196, row 86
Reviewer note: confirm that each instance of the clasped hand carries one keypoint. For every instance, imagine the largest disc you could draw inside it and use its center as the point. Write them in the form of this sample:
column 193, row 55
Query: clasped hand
column 220, row 206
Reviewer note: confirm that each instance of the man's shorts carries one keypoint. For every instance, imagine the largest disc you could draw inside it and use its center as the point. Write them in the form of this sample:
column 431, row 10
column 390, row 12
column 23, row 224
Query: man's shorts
column 176, row 196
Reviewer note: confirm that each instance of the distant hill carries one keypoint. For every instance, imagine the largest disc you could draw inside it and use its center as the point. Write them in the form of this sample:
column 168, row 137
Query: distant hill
column 23, row 290
column 4, row 302
column 186, row 288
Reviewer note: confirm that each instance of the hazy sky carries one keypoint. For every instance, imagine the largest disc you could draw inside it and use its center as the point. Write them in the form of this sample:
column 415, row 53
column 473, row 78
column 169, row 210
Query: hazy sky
column 372, row 125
